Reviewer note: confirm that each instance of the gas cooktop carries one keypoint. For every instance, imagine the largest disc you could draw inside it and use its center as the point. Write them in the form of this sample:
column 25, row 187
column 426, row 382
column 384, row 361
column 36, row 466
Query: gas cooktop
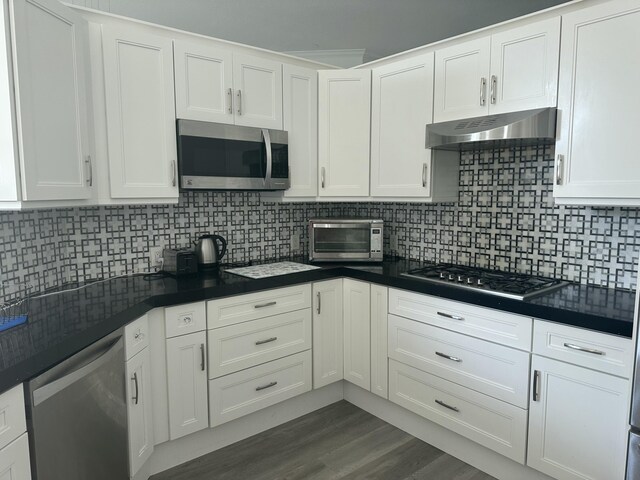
column 505, row 284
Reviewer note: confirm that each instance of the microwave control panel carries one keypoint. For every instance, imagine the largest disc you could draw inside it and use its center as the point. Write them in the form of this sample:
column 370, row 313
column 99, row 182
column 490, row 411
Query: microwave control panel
column 376, row 240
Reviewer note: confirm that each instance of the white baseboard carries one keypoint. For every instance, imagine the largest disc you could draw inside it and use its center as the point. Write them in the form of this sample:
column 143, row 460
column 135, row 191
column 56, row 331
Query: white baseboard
column 449, row 442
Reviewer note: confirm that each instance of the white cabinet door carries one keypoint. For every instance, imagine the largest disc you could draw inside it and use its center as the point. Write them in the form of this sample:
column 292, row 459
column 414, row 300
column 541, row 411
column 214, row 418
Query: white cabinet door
column 524, row 67
column 204, row 82
column 379, row 361
column 462, row 80
column 328, row 333
column 578, row 425
column 141, row 120
column 139, row 410
column 599, row 105
column 14, row 460
column 187, row 381
column 258, row 92
column 50, row 49
column 344, row 112
column 357, row 332
column 401, row 106
column 300, row 100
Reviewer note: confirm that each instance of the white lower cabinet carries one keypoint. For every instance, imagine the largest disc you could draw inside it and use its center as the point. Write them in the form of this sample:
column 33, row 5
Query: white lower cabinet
column 497, row 425
column 14, row 460
column 357, row 332
column 328, row 333
column 379, row 362
column 187, row 384
column 247, row 391
column 139, row 410
column 578, row 422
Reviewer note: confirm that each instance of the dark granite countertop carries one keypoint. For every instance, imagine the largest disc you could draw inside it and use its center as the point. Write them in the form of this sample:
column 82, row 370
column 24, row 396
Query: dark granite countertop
column 64, row 324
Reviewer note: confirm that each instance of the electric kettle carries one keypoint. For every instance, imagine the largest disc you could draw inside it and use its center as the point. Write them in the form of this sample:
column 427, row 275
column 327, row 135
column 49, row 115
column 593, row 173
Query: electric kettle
column 209, row 252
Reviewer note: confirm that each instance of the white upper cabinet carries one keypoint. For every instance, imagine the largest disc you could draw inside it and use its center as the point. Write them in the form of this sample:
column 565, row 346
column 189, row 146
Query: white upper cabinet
column 401, row 106
column 300, row 102
column 508, row 71
column 204, row 82
column 344, row 98
column 596, row 154
column 214, row 84
column 50, row 70
column 140, row 108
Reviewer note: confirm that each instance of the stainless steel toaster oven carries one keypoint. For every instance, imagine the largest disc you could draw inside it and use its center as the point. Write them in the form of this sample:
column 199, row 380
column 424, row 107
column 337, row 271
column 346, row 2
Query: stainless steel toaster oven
column 345, row 239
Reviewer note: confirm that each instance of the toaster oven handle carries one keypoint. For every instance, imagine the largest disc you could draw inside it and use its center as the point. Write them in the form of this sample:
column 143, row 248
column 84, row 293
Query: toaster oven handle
column 267, row 143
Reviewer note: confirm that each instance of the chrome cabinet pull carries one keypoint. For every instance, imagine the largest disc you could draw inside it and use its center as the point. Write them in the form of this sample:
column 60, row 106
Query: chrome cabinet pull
column 135, row 381
column 559, row 167
column 319, row 303
column 262, row 305
column 268, row 340
column 535, row 394
column 268, row 385
column 173, row 173
column 448, row 315
column 239, row 102
column 493, row 89
column 449, row 357
column 424, row 175
column 322, row 177
column 230, row 100
column 89, row 164
column 573, row 346
column 440, row 402
column 483, row 92
column 202, row 357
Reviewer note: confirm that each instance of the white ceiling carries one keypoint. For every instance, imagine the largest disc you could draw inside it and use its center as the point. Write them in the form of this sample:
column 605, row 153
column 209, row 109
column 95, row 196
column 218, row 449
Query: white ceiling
column 382, row 27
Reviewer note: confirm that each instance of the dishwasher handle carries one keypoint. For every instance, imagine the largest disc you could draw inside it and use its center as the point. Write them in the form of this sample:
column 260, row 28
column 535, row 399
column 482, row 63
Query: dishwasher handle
column 101, row 357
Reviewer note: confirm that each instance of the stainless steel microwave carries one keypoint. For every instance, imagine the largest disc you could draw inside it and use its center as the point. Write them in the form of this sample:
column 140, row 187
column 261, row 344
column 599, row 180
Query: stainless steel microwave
column 215, row 156
column 345, row 239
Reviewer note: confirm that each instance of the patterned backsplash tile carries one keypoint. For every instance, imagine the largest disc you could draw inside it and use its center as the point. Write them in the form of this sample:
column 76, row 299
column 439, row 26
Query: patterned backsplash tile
column 505, row 219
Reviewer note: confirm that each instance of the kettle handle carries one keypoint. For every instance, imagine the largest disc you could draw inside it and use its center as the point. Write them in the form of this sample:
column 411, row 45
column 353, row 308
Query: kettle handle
column 224, row 245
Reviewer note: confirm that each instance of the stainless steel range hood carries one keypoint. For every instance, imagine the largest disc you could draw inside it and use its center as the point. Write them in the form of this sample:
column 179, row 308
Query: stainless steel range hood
column 531, row 127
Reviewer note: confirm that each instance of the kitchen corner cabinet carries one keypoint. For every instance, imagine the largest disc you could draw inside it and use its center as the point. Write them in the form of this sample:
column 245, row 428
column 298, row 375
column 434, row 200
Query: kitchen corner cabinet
column 300, row 103
column 509, row 71
column 214, row 84
column 344, row 98
column 599, row 106
column 49, row 64
column 328, row 332
column 140, row 112
column 357, row 332
column 379, row 335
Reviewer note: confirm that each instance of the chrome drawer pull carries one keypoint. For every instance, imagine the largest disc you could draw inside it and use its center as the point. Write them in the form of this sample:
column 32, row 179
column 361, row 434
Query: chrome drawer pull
column 583, row 349
column 262, row 305
column 136, row 397
column 262, row 342
column 440, row 402
column 448, row 315
column 535, row 391
column 268, row 385
column 449, row 357
column 202, row 357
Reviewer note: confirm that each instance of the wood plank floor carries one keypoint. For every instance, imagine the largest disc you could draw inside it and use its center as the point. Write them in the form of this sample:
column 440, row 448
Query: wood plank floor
column 340, row 441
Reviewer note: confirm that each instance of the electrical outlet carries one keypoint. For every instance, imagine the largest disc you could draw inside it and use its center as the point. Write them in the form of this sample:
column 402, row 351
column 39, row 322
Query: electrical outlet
column 393, row 240
column 295, row 242
column 155, row 256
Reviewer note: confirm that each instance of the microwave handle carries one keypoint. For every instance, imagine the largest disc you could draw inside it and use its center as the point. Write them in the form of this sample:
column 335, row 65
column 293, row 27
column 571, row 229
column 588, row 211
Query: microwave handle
column 267, row 143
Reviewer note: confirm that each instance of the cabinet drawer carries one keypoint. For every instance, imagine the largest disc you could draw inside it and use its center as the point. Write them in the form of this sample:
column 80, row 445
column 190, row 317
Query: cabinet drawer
column 242, row 308
column 12, row 418
column 136, row 336
column 494, row 370
column 185, row 319
column 14, row 460
column 595, row 350
column 248, row 344
column 486, row 323
column 253, row 389
column 494, row 424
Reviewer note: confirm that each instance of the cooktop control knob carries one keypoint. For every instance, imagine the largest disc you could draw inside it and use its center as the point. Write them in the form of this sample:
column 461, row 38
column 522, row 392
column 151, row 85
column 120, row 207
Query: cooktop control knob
column 470, row 280
column 452, row 277
column 480, row 283
column 460, row 278
column 442, row 275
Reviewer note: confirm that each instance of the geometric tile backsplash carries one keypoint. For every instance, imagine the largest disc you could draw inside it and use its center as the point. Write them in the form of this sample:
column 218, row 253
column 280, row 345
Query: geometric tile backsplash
column 505, row 219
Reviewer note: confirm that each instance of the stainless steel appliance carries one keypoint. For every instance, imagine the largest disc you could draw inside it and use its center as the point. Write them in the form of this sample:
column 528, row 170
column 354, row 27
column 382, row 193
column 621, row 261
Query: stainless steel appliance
column 77, row 416
column 209, row 252
column 633, row 452
column 345, row 239
column 214, row 156
column 505, row 284
column 531, row 127
column 179, row 262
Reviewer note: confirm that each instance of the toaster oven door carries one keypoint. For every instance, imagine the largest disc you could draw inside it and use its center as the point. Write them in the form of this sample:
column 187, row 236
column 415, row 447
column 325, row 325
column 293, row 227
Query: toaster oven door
column 340, row 241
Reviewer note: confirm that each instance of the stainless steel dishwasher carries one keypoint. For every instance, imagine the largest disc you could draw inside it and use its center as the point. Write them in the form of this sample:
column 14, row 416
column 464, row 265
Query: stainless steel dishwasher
column 77, row 416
